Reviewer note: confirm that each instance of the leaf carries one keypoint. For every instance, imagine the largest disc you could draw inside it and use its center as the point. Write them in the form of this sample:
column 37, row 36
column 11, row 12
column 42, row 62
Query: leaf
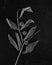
column 30, row 33
column 18, row 40
column 30, row 47
column 27, row 23
column 28, row 9
column 11, row 24
column 34, row 34
column 13, row 42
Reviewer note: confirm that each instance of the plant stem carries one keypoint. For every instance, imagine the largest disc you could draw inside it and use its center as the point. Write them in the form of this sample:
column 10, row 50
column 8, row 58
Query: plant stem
column 19, row 55
column 19, row 28
column 21, row 40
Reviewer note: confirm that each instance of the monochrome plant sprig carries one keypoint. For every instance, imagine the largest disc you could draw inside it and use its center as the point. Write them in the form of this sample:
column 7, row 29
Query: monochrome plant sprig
column 24, row 41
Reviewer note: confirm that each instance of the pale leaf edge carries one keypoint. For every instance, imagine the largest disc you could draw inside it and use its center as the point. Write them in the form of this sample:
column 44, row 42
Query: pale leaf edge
column 13, row 42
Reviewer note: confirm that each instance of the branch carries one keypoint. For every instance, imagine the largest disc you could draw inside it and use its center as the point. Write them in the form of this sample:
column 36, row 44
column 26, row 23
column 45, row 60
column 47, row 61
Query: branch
column 19, row 28
column 30, row 33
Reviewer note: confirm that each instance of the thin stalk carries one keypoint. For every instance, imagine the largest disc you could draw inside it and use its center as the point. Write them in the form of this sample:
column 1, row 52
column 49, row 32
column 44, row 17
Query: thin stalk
column 19, row 55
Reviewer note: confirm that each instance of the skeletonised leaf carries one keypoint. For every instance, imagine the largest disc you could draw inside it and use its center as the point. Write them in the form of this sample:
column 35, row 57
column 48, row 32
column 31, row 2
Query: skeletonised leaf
column 28, row 9
column 18, row 40
column 30, row 47
column 11, row 24
column 30, row 33
column 27, row 23
column 13, row 42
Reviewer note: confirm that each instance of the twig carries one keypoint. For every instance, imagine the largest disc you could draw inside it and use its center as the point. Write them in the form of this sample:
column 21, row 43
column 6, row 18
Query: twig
column 19, row 55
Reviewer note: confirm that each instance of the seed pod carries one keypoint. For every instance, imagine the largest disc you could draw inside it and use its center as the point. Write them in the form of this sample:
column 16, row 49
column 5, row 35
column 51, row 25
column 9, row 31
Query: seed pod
column 24, row 33
column 28, row 9
column 13, row 42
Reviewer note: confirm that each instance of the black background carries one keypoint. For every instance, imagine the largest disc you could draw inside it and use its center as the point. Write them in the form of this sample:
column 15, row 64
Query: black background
column 42, row 54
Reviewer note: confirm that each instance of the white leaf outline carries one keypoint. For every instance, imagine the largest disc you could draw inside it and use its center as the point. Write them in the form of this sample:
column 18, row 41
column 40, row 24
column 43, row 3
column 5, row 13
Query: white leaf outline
column 11, row 24
column 28, row 9
column 13, row 42
column 18, row 40
column 30, row 47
